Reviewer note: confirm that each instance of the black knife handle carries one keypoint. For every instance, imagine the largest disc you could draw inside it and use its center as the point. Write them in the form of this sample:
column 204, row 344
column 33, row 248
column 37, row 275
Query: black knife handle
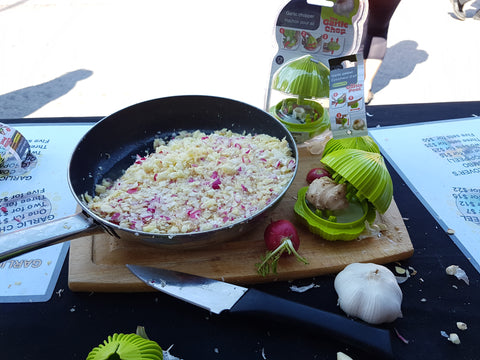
column 362, row 336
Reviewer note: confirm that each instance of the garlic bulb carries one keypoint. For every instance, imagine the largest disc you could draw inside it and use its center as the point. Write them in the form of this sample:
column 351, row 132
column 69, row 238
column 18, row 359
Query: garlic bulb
column 369, row 292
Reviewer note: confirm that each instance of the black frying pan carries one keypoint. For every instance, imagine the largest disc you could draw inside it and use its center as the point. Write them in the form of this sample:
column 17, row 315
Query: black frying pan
column 112, row 145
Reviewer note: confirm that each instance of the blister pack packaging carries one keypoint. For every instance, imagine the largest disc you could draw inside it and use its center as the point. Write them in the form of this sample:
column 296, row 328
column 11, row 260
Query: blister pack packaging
column 308, row 35
column 347, row 105
column 15, row 155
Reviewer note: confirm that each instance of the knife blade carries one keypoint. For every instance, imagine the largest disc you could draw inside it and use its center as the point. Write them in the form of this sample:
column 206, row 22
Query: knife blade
column 219, row 296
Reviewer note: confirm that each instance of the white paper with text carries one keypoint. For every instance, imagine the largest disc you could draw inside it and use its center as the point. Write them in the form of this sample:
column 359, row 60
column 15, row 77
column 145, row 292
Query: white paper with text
column 440, row 161
column 40, row 195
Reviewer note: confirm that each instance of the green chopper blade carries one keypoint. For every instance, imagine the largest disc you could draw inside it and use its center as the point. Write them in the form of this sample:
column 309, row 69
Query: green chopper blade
column 365, row 143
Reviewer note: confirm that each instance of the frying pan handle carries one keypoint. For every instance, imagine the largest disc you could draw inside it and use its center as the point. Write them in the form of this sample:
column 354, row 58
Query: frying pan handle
column 53, row 232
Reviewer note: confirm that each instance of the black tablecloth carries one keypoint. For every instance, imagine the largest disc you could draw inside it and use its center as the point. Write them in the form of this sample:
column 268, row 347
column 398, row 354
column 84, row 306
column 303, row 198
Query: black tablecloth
column 70, row 324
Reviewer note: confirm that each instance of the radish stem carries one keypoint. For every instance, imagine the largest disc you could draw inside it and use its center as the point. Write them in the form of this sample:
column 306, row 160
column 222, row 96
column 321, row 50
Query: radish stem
column 270, row 261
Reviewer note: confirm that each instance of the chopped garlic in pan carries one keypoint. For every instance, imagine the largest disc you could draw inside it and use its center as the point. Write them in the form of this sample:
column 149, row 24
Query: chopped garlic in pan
column 197, row 182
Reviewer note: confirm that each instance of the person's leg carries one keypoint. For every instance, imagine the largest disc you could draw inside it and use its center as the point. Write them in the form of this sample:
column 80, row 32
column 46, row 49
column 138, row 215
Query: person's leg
column 458, row 8
column 372, row 63
column 376, row 40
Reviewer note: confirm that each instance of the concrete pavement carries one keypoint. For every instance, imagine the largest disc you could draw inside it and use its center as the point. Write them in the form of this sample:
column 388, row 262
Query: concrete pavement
column 94, row 57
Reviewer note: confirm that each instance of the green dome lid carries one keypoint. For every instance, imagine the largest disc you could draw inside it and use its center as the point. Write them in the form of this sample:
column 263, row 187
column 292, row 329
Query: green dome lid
column 365, row 143
column 126, row 347
column 304, row 77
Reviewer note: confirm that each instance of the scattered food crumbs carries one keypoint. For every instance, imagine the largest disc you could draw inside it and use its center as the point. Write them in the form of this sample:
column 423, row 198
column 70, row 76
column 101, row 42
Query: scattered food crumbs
column 450, row 231
column 405, row 341
column 405, row 274
column 454, row 339
column 342, row 356
column 302, row 289
column 423, row 300
column 216, row 350
column 263, row 354
column 405, row 219
column 72, row 309
column 49, row 262
column 455, row 286
column 456, row 271
column 444, row 334
column 461, row 325
column 412, row 271
column 59, row 292
column 18, row 283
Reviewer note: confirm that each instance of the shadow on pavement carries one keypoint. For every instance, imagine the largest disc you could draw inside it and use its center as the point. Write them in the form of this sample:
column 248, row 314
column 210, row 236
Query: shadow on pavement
column 400, row 61
column 23, row 102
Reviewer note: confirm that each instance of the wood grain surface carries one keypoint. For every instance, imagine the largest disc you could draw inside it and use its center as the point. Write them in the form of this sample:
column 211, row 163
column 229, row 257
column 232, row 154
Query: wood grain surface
column 97, row 263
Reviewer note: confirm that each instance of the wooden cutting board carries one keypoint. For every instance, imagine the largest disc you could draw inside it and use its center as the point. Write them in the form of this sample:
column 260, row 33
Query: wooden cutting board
column 97, row 263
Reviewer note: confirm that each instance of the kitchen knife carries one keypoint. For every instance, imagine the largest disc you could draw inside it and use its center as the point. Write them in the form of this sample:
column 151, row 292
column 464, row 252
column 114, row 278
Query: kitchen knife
column 218, row 296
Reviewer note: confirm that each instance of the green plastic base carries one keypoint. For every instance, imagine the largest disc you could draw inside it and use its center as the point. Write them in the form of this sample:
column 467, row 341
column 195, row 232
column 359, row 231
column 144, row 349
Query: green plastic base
column 331, row 230
column 316, row 119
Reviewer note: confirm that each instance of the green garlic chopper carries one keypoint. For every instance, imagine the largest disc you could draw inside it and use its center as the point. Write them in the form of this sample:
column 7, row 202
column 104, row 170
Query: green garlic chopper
column 358, row 163
column 305, row 80
column 127, row 347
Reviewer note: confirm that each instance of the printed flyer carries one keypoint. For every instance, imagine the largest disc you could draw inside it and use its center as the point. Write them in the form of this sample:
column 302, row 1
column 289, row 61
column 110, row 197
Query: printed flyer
column 34, row 197
column 448, row 150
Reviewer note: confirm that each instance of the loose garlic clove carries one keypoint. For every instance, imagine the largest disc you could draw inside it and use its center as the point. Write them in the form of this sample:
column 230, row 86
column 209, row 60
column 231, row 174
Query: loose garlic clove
column 459, row 273
column 454, row 338
column 369, row 292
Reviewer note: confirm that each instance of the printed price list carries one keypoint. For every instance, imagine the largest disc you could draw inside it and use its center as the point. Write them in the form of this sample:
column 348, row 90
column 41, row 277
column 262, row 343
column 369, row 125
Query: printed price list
column 39, row 195
column 440, row 161
column 461, row 150
column 468, row 203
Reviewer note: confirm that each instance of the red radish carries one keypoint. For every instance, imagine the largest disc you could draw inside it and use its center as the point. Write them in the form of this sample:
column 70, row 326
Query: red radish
column 316, row 173
column 281, row 238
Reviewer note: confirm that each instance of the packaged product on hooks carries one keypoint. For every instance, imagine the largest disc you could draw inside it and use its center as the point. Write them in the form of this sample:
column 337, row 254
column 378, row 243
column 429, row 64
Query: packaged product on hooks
column 308, row 34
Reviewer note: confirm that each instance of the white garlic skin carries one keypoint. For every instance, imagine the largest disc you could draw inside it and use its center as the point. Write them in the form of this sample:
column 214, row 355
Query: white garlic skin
column 369, row 292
